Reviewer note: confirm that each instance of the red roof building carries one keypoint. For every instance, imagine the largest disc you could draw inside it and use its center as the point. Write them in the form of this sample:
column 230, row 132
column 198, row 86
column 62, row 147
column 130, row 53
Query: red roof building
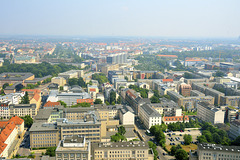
column 175, row 119
column 50, row 104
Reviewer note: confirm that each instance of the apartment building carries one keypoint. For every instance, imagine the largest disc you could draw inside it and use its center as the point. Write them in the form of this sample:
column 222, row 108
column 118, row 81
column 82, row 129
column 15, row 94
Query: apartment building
column 73, row 147
column 22, row 110
column 134, row 100
column 71, row 98
column 122, row 150
column 71, row 74
column 185, row 89
column 215, row 151
column 149, row 116
column 11, row 78
column 50, row 104
column 167, row 108
column 76, row 113
column 234, row 131
column 189, row 102
column 230, row 101
column 10, row 132
column 209, row 113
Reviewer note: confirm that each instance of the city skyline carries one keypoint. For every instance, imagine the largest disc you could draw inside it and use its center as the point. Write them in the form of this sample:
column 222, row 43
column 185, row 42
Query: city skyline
column 211, row 19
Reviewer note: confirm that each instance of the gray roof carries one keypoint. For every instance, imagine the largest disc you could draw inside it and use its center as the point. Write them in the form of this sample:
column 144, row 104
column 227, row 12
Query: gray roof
column 220, row 148
column 150, row 111
column 22, row 106
column 39, row 126
column 120, row 145
column 44, row 114
column 17, row 76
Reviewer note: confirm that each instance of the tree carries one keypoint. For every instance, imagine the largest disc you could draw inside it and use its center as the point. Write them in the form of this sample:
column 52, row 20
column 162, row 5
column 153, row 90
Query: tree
column 51, row 151
column 216, row 138
column 236, row 142
column 219, row 74
column 126, row 78
column 98, row 101
column 121, row 130
column 112, row 97
column 173, row 150
column 187, row 139
column 63, row 104
column 25, row 99
column 81, row 82
column 28, row 121
column 181, row 154
column 154, row 99
column 107, row 103
column 143, row 94
column 5, row 85
column 85, row 104
column 72, row 81
column 208, row 135
column 119, row 100
column 202, row 139
column 61, row 88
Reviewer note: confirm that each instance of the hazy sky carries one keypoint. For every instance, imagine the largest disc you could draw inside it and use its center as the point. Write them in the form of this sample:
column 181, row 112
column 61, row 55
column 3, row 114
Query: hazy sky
column 175, row 18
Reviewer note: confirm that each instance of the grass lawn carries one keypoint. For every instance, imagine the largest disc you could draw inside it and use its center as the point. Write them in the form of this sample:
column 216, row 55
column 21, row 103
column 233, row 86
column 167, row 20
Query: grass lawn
column 187, row 148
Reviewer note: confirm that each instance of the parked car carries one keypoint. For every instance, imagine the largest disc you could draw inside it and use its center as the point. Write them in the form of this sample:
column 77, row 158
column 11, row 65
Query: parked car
column 182, row 143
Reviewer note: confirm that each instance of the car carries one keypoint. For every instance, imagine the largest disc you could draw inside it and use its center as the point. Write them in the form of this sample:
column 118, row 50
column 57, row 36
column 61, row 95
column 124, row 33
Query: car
column 158, row 157
column 173, row 133
column 181, row 131
column 164, row 154
column 189, row 130
column 182, row 143
column 173, row 143
column 143, row 136
column 180, row 134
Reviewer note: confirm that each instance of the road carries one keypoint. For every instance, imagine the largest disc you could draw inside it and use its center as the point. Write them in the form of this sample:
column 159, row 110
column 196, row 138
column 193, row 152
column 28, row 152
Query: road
column 147, row 138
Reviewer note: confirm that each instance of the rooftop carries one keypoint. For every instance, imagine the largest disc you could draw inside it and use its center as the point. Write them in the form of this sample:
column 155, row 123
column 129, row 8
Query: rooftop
column 217, row 147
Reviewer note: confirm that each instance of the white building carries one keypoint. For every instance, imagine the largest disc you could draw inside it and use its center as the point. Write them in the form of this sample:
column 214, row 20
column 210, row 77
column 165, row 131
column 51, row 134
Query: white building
column 209, row 113
column 126, row 115
column 149, row 116
column 234, row 131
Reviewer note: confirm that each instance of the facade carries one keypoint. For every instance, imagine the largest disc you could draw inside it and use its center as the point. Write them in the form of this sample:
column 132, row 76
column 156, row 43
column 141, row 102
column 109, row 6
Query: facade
column 122, row 150
column 126, row 116
column 185, row 89
column 71, row 74
column 59, row 80
column 234, row 131
column 149, row 116
column 230, row 101
column 73, row 147
column 117, row 58
column 209, row 113
column 22, row 110
column 34, row 96
column 134, row 100
column 10, row 132
column 175, row 119
column 71, row 98
column 43, row 135
column 215, row 151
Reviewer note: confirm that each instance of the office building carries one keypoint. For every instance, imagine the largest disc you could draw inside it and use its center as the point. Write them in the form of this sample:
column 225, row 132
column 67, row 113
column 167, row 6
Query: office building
column 122, row 150
column 234, row 131
column 22, row 110
column 185, row 89
column 73, row 147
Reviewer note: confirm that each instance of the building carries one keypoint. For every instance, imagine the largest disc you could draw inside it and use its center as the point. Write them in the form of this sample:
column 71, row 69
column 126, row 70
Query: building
column 50, row 104
column 90, row 101
column 230, row 101
column 12, row 78
column 73, row 147
column 71, row 74
column 93, row 91
column 215, row 151
column 149, row 116
column 117, row 58
column 71, row 98
column 209, row 113
column 34, row 96
column 126, row 116
column 11, row 134
column 59, row 80
column 175, row 119
column 44, row 135
column 122, row 150
column 234, row 131
column 185, row 89
column 22, row 110
column 134, row 100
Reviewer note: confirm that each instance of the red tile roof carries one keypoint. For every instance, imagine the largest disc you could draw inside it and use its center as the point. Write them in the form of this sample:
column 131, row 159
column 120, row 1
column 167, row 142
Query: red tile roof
column 7, row 128
column 52, row 104
column 92, row 90
column 167, row 80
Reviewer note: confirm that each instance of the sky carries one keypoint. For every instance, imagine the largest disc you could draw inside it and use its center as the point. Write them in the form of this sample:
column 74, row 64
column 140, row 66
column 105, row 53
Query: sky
column 158, row 18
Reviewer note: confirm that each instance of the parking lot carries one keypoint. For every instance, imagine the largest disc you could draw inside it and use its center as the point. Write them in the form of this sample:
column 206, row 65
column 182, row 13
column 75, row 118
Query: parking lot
column 175, row 138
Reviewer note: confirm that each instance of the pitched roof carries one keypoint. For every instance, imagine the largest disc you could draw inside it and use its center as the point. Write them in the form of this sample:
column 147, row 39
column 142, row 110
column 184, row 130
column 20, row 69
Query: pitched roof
column 175, row 118
column 36, row 96
column 167, row 80
column 51, row 104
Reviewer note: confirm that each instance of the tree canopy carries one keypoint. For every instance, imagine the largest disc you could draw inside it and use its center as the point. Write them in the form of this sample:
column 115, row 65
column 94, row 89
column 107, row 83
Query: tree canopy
column 28, row 121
